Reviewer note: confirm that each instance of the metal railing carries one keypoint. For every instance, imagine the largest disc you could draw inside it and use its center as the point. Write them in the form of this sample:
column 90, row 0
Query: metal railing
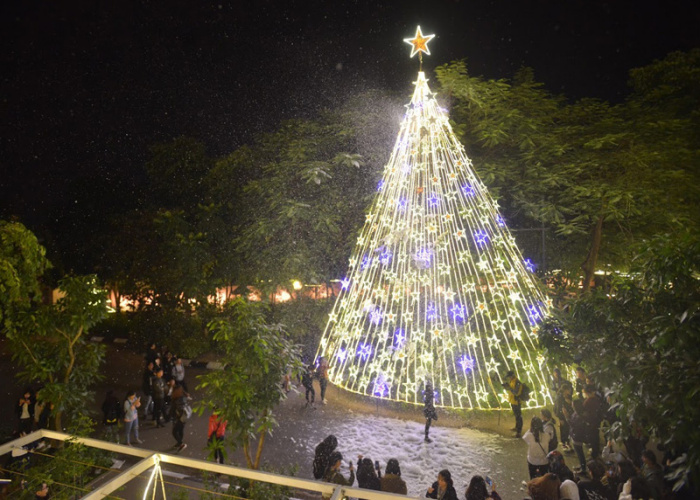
column 149, row 459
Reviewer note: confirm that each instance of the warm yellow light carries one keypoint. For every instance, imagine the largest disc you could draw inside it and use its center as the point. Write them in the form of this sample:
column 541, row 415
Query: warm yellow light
column 437, row 290
column 297, row 285
column 419, row 43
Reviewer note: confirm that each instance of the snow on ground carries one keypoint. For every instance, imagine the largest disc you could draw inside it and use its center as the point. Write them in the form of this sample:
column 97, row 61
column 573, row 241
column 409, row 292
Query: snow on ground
column 464, row 452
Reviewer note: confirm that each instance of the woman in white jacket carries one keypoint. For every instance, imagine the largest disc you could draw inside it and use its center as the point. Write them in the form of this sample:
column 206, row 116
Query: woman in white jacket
column 537, row 445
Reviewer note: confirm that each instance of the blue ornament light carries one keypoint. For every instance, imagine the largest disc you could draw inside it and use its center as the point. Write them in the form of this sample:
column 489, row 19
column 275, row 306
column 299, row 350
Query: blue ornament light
column 466, row 363
column 468, row 190
column 459, row 312
column 481, row 237
column 364, row 351
column 431, row 313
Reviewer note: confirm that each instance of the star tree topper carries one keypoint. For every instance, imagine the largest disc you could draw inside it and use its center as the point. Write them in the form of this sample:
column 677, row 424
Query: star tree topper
column 419, row 43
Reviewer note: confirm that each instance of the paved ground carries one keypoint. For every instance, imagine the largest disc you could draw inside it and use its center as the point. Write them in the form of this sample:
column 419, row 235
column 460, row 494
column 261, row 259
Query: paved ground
column 375, row 429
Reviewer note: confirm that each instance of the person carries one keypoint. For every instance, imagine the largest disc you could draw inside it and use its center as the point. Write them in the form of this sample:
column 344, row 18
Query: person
column 593, row 412
column 579, row 434
column 43, row 492
column 152, row 354
column 549, row 424
column 180, row 402
column 515, row 389
column 477, row 489
column 580, row 381
column 429, row 411
column 158, row 389
column 111, row 411
column 333, row 474
column 545, row 487
column 42, row 421
column 557, row 381
column 621, row 473
column 178, row 373
column 391, row 482
column 593, row 488
column 168, row 365
column 653, row 474
column 564, row 404
column 215, row 435
column 537, row 445
column 323, row 378
column 25, row 412
column 131, row 417
column 146, row 386
column 307, row 380
column 287, row 380
column 322, row 455
column 443, row 488
column 557, row 465
column 568, row 490
column 366, row 474
column 635, row 488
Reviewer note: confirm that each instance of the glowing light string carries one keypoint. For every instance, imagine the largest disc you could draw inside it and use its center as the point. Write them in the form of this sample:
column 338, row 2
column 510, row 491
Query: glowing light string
column 436, row 287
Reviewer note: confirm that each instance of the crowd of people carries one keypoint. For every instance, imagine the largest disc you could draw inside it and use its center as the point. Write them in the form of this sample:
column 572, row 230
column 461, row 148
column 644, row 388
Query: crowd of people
column 32, row 412
column 623, row 470
column 617, row 470
column 328, row 462
column 164, row 399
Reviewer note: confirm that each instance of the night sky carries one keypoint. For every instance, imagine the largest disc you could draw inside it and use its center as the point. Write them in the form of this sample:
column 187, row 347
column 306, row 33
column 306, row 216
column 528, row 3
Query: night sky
column 86, row 86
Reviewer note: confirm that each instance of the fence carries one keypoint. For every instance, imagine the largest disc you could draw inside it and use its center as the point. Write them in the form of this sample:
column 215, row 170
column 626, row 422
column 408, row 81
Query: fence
column 151, row 460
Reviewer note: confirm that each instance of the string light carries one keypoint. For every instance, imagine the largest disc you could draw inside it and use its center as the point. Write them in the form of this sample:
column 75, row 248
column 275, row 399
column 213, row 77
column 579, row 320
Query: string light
column 437, row 289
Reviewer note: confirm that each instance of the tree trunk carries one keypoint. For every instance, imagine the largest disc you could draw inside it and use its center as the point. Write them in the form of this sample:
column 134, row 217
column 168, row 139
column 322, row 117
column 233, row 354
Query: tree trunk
column 246, row 452
column 258, row 454
column 589, row 264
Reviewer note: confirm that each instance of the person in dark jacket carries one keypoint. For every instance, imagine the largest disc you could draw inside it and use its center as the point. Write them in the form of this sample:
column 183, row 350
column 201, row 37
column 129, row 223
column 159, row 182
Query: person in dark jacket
column 593, row 412
column 594, row 489
column 515, row 390
column 429, row 410
column 333, row 474
column 392, row 482
column 158, row 387
column 180, row 399
column 366, row 475
column 564, row 404
column 322, row 455
column 557, row 465
column 579, row 433
column 307, row 380
column 146, row 388
column 477, row 489
column 442, row 489
column 111, row 414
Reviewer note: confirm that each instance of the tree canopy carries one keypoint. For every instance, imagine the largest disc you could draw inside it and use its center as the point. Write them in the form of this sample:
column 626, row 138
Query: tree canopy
column 249, row 387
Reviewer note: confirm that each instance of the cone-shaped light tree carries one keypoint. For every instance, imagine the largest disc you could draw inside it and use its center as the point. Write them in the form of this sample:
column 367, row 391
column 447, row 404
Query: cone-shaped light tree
column 436, row 289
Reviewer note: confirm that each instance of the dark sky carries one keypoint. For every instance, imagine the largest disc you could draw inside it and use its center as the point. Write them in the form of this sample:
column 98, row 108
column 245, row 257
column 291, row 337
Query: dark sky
column 86, row 86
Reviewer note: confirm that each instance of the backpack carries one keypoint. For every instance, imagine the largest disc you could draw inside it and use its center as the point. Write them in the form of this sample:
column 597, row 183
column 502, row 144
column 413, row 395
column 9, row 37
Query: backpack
column 114, row 413
column 554, row 441
column 525, row 393
column 183, row 408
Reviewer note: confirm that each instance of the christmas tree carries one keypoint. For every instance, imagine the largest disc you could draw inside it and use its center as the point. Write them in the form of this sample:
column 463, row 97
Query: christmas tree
column 437, row 289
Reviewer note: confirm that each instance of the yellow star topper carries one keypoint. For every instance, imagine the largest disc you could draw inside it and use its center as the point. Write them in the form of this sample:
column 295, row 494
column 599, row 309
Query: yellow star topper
column 419, row 43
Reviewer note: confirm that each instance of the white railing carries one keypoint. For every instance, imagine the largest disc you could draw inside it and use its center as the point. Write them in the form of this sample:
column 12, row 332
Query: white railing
column 149, row 459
